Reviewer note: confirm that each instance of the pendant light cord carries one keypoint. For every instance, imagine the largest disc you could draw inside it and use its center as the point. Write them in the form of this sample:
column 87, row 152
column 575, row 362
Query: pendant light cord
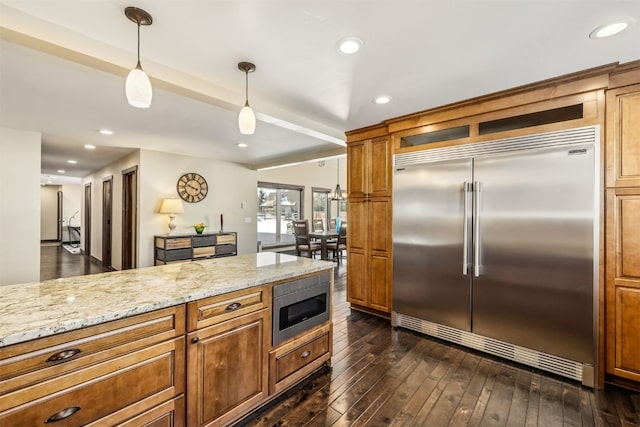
column 139, row 66
column 246, row 89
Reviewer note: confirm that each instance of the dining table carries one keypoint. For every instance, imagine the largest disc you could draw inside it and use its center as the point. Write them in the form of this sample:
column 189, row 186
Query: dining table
column 324, row 236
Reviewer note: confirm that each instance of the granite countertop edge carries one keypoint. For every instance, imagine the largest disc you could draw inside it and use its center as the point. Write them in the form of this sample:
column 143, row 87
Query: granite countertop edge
column 209, row 275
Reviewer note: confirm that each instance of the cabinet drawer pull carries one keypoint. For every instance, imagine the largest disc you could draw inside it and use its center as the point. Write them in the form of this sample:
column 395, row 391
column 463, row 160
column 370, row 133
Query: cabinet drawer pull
column 63, row 355
column 195, row 340
column 233, row 306
column 62, row 414
column 305, row 354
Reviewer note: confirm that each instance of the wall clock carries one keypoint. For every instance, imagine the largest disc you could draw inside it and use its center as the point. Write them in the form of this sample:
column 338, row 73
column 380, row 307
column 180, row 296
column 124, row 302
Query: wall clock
column 192, row 187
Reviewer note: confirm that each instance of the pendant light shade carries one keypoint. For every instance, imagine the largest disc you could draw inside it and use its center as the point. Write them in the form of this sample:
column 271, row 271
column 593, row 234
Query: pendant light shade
column 138, row 86
column 247, row 118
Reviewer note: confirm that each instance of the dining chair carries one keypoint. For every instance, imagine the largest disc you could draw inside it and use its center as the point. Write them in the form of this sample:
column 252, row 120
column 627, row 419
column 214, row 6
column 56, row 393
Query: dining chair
column 318, row 225
column 340, row 244
column 303, row 242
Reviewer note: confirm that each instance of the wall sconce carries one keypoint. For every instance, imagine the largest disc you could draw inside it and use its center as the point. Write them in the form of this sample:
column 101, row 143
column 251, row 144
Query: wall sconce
column 171, row 207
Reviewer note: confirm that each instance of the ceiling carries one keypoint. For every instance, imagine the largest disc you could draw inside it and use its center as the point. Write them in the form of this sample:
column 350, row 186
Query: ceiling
column 63, row 64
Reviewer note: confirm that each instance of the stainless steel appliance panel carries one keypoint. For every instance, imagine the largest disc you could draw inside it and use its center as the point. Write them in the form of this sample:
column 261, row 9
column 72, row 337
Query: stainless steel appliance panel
column 534, row 250
column 428, row 245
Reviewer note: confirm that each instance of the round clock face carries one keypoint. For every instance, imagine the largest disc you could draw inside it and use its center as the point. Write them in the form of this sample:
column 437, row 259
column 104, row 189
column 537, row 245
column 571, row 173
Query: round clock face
column 192, row 187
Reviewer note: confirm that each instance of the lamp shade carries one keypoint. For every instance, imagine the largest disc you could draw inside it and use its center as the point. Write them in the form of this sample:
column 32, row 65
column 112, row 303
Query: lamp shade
column 247, row 120
column 138, row 88
column 171, row 206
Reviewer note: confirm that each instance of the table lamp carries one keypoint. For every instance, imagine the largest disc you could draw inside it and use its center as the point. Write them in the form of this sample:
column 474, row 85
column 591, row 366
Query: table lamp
column 171, row 207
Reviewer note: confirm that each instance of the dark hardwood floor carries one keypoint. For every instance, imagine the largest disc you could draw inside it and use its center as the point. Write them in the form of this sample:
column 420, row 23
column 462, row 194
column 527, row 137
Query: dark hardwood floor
column 57, row 262
column 383, row 377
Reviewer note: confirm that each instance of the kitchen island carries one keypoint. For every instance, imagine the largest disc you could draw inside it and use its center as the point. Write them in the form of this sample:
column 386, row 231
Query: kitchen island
column 188, row 342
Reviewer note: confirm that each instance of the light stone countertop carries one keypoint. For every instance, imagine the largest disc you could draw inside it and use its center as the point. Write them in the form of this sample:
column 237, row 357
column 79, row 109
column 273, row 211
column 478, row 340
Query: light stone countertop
column 34, row 310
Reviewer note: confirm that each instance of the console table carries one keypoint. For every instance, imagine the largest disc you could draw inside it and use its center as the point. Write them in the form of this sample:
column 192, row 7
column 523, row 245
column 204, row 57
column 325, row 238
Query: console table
column 187, row 247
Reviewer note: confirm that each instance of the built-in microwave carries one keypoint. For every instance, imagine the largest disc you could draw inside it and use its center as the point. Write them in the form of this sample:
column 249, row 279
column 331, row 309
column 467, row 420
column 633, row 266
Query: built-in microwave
column 300, row 305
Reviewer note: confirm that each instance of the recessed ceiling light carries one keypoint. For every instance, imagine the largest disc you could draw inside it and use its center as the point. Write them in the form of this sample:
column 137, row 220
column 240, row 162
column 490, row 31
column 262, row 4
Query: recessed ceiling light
column 349, row 45
column 62, row 171
column 90, row 146
column 611, row 29
column 73, row 162
column 242, row 145
column 106, row 131
column 382, row 100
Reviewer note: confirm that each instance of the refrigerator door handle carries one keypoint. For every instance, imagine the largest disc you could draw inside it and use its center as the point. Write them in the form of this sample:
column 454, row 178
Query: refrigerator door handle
column 476, row 230
column 466, row 187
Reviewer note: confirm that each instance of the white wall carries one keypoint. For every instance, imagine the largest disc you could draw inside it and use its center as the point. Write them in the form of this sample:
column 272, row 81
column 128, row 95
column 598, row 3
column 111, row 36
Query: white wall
column 309, row 175
column 231, row 186
column 96, row 179
column 49, row 212
column 20, row 207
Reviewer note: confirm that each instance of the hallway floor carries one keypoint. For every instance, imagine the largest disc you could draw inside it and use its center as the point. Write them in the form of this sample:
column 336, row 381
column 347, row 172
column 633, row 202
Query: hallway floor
column 57, row 262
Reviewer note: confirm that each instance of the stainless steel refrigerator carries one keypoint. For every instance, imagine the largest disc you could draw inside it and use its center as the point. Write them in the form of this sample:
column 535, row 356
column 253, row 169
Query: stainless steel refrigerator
column 495, row 247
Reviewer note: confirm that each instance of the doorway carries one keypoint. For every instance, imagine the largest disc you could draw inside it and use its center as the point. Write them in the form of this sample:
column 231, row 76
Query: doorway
column 87, row 220
column 129, row 215
column 107, row 207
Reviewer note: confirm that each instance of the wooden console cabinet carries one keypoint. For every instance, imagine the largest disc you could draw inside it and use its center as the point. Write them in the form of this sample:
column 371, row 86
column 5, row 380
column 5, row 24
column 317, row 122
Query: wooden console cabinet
column 191, row 247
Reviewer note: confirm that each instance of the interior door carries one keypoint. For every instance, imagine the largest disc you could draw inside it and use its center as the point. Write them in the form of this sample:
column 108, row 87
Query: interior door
column 107, row 205
column 428, row 242
column 536, row 245
column 86, row 232
column 129, row 215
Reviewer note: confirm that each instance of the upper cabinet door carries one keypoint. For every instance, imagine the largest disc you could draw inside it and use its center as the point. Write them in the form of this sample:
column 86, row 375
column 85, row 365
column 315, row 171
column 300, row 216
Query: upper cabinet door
column 380, row 167
column 357, row 169
column 369, row 168
column 623, row 137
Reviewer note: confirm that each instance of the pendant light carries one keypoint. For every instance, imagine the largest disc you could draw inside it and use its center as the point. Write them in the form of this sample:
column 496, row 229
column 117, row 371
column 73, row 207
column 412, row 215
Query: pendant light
column 247, row 118
column 138, row 87
column 337, row 193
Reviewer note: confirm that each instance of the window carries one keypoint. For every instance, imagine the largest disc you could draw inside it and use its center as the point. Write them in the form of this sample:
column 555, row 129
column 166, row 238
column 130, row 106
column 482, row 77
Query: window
column 321, row 205
column 278, row 205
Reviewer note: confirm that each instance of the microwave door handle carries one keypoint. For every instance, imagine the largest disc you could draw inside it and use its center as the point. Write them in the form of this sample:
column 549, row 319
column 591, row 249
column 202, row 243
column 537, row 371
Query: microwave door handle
column 476, row 229
column 465, row 228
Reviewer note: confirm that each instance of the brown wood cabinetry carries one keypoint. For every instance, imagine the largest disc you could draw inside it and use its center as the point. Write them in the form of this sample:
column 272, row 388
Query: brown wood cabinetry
column 623, row 137
column 140, row 360
column 296, row 359
column 622, row 213
column 369, row 243
column 623, row 283
column 227, row 368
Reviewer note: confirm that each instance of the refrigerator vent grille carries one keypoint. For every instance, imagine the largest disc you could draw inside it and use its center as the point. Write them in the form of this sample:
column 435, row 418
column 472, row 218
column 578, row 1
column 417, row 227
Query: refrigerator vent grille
column 585, row 135
column 546, row 362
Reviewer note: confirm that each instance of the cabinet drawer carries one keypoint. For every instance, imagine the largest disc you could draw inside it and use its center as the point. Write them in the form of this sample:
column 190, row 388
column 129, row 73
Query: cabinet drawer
column 177, row 243
column 296, row 359
column 204, row 252
column 174, row 255
column 224, row 239
column 301, row 356
column 35, row 361
column 168, row 414
column 218, row 309
column 113, row 390
column 225, row 249
column 199, row 241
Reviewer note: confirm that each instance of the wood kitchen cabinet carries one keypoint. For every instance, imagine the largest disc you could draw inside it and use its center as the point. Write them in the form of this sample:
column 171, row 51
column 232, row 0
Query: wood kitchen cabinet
column 369, row 245
column 227, row 366
column 623, row 136
column 63, row 378
column 623, row 283
column 369, row 168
